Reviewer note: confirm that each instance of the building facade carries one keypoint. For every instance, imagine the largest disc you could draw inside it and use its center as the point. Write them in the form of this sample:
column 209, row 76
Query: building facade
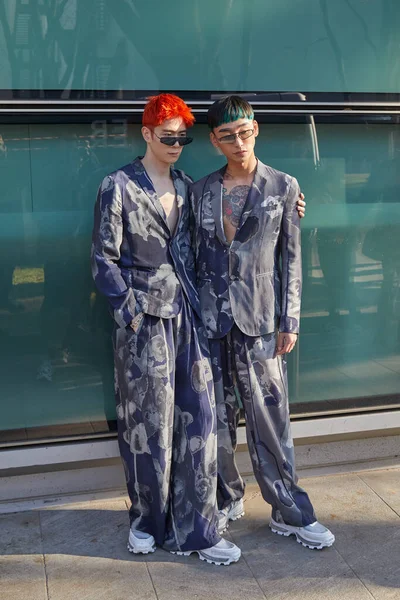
column 324, row 79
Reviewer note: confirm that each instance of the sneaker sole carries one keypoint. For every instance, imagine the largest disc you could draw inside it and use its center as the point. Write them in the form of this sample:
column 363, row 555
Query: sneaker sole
column 210, row 561
column 136, row 551
column 236, row 517
column 304, row 542
column 233, row 518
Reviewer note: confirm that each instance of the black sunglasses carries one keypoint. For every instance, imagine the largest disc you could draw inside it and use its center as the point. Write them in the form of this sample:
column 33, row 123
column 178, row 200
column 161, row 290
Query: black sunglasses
column 170, row 141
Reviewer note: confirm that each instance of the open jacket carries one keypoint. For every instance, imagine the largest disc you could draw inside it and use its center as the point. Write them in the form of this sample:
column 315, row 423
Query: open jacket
column 255, row 281
column 137, row 262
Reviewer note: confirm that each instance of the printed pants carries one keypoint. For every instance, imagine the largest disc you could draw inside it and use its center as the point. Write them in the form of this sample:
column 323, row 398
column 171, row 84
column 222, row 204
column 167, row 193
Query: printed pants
column 250, row 364
column 167, row 429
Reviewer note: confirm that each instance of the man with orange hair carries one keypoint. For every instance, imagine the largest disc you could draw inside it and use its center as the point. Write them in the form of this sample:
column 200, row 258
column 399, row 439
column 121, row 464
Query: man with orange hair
column 142, row 261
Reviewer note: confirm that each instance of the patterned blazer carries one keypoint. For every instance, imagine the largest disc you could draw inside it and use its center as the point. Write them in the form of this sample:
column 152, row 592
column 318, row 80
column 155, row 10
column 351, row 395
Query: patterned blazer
column 137, row 263
column 255, row 281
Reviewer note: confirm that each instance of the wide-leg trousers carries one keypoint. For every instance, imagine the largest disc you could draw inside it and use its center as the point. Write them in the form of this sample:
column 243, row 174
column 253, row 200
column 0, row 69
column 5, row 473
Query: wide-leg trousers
column 249, row 364
column 167, row 429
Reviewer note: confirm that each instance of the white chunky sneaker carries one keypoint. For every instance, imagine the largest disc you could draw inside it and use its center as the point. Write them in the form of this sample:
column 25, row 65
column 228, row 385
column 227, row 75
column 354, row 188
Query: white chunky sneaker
column 140, row 542
column 232, row 512
column 223, row 553
column 315, row 536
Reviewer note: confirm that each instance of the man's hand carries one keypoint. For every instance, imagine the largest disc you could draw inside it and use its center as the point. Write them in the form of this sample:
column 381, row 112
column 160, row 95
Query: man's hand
column 285, row 343
column 301, row 206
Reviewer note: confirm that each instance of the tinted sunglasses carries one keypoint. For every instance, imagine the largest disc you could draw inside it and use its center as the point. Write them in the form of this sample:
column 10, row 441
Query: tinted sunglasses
column 170, row 141
column 231, row 139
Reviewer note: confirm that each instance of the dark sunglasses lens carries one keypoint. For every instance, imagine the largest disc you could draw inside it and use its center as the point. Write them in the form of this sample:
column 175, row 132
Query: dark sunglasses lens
column 185, row 141
column 171, row 141
column 168, row 141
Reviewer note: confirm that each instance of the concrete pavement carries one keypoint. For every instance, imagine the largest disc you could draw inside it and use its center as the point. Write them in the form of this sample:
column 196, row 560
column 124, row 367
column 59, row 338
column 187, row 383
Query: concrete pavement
column 78, row 551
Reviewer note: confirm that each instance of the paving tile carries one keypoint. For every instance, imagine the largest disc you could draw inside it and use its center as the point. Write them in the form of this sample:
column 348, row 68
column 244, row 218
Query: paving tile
column 286, row 570
column 90, row 537
column 21, row 577
column 86, row 557
column 188, row 578
column 86, row 554
column 367, row 530
column 20, row 534
column 97, row 578
column 386, row 484
column 22, row 573
column 91, row 529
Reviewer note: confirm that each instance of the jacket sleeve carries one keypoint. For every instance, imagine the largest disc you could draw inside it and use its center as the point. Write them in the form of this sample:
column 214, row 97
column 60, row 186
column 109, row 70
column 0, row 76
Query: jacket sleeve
column 106, row 244
column 291, row 262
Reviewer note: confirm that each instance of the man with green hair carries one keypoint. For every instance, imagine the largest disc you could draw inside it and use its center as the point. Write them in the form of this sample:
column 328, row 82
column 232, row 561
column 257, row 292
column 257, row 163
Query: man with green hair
column 248, row 257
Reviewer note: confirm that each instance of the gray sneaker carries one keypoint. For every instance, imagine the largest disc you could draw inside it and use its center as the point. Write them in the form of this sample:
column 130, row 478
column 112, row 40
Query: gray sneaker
column 232, row 512
column 315, row 536
column 223, row 553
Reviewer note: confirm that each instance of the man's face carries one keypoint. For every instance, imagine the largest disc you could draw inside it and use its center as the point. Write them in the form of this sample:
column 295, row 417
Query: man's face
column 235, row 148
column 170, row 128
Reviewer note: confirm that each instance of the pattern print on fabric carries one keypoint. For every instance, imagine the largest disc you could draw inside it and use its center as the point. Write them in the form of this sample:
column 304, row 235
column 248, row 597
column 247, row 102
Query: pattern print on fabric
column 163, row 379
column 267, row 424
column 249, row 289
column 255, row 281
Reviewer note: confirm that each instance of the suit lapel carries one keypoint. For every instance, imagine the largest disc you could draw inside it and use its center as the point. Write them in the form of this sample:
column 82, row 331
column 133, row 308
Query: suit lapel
column 255, row 194
column 146, row 184
column 181, row 197
column 215, row 188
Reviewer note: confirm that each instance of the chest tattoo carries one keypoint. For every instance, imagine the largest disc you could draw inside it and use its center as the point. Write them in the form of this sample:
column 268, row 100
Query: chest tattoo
column 233, row 203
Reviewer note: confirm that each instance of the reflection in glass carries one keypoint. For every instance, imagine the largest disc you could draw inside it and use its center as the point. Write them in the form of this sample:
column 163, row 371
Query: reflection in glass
column 55, row 331
column 349, row 346
column 107, row 45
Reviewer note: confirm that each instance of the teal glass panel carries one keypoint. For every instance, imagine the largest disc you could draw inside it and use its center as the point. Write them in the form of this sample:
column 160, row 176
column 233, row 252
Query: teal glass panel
column 55, row 332
column 349, row 347
column 56, row 356
column 246, row 45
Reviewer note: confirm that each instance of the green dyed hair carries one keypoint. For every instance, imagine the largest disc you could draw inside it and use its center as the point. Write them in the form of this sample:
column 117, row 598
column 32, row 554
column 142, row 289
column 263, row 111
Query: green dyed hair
column 227, row 110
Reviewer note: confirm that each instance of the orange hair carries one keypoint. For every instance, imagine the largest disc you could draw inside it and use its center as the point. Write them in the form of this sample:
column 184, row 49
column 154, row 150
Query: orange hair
column 164, row 107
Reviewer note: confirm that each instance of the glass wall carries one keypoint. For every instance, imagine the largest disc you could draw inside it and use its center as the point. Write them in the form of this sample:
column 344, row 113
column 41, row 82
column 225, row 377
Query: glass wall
column 245, row 45
column 56, row 376
column 55, row 346
column 349, row 349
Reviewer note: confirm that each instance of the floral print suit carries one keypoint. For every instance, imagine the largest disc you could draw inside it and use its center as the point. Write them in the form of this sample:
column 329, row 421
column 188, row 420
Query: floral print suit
column 249, row 289
column 163, row 379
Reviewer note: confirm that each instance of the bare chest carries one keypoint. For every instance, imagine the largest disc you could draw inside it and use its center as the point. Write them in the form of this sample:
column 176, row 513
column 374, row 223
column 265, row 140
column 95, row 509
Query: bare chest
column 167, row 197
column 233, row 200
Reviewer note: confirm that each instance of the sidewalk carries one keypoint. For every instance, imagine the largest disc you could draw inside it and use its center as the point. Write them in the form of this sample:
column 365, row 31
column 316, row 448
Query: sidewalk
column 78, row 551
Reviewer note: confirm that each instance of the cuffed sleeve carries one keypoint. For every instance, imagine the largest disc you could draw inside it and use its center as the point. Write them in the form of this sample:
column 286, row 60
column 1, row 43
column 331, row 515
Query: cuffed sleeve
column 291, row 262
